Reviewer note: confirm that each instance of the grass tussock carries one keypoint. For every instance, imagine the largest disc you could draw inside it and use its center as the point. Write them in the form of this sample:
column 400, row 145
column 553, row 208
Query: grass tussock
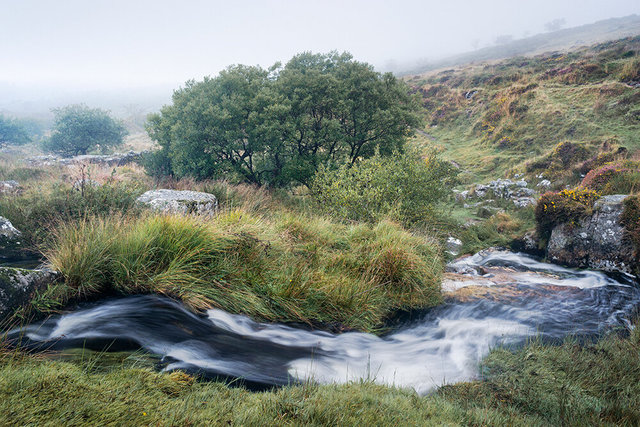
column 287, row 268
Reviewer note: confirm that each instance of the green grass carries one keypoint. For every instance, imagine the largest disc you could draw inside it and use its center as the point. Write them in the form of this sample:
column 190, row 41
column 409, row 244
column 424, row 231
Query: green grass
column 524, row 107
column 284, row 267
column 538, row 385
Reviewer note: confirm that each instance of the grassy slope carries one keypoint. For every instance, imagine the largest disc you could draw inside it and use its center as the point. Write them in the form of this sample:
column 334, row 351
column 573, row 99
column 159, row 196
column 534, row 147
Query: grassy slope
column 526, row 106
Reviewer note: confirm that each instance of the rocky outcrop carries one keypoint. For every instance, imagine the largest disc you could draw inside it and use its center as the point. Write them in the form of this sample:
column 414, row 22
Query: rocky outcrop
column 516, row 191
column 116, row 159
column 10, row 244
column 180, row 202
column 596, row 242
column 17, row 286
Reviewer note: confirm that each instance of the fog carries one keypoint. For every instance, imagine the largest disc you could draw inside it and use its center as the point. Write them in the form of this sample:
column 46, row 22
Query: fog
column 69, row 50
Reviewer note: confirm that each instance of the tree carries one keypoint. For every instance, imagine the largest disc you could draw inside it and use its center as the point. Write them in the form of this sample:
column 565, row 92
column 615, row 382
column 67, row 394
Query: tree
column 12, row 132
column 78, row 129
column 555, row 25
column 276, row 126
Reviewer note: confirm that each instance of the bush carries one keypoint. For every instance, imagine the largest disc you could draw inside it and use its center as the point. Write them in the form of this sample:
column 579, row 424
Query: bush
column 630, row 71
column 289, row 268
column 566, row 206
column 404, row 187
column 614, row 178
column 37, row 211
column 12, row 132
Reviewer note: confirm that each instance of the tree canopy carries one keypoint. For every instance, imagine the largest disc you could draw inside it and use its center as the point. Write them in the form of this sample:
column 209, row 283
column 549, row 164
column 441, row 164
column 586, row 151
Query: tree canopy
column 12, row 132
column 78, row 129
column 277, row 126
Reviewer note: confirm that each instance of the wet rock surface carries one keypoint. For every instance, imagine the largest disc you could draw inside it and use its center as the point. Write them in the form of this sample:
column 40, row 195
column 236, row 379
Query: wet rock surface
column 179, row 202
column 10, row 244
column 596, row 242
column 17, row 286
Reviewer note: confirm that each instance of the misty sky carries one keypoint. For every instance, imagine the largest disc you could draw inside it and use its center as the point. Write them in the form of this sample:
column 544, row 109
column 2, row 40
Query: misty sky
column 104, row 43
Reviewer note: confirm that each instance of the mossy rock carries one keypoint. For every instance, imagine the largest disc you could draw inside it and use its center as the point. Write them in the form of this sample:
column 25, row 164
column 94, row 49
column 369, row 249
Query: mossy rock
column 17, row 286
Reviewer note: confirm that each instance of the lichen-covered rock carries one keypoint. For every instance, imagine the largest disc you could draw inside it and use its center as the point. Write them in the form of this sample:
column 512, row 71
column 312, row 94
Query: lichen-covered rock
column 10, row 186
column 10, row 244
column 17, row 286
column 595, row 242
column 180, row 202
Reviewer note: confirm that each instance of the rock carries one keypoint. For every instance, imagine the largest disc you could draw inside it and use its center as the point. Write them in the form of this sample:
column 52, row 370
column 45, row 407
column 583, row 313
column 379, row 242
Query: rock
column 10, row 186
column 528, row 243
column 180, row 202
column 10, row 244
column 523, row 202
column 545, row 183
column 596, row 242
column 453, row 246
column 116, row 159
column 522, row 183
column 17, row 285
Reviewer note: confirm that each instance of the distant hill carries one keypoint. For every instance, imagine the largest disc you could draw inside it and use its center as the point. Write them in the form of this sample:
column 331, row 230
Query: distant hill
column 570, row 38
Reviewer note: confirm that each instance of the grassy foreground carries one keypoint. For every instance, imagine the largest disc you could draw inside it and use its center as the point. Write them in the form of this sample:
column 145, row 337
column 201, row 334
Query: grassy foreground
column 570, row 384
column 287, row 267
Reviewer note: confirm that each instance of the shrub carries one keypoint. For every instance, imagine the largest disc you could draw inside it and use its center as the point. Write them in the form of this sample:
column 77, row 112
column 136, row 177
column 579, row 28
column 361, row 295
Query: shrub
column 287, row 268
column 630, row 71
column 404, row 187
column 614, row 178
column 566, row 206
column 37, row 211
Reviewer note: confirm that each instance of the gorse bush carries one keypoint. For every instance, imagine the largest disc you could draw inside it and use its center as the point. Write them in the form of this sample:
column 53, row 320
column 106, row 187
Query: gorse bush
column 566, row 206
column 404, row 187
column 288, row 268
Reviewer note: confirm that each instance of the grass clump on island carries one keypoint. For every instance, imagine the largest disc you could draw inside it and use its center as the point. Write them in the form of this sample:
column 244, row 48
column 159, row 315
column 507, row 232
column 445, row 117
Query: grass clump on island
column 569, row 384
column 285, row 267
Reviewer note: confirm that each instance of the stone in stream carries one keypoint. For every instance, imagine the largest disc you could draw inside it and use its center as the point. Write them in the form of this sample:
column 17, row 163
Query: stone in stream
column 17, row 286
column 179, row 202
column 596, row 242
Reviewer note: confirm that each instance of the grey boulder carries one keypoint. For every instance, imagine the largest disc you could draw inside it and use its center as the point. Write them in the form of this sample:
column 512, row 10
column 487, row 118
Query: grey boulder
column 179, row 202
column 596, row 242
column 18, row 285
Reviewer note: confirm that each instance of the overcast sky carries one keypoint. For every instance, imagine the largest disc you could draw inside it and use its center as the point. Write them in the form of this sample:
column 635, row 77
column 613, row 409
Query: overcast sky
column 108, row 43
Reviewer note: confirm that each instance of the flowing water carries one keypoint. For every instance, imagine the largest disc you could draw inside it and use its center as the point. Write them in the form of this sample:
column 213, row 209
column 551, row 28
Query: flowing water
column 492, row 298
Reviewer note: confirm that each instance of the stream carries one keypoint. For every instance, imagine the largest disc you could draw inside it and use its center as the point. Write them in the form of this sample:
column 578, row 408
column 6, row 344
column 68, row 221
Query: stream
column 492, row 298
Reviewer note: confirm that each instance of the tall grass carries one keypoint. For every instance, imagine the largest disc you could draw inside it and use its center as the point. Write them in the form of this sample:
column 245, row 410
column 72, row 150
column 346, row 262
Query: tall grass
column 289, row 267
